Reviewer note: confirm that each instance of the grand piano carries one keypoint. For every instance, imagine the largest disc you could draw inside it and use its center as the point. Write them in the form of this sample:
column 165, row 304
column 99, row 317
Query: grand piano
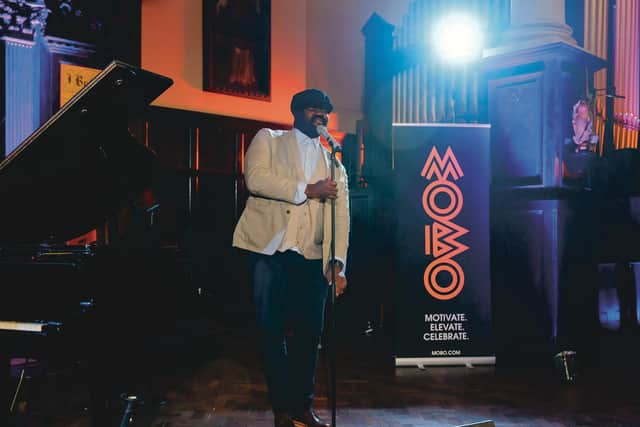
column 75, row 173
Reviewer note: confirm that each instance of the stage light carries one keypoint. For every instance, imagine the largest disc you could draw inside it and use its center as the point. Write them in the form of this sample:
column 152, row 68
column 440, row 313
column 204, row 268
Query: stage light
column 457, row 38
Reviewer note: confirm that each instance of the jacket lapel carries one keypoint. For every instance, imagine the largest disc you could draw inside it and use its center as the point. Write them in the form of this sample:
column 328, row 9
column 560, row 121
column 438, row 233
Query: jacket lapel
column 293, row 154
column 322, row 170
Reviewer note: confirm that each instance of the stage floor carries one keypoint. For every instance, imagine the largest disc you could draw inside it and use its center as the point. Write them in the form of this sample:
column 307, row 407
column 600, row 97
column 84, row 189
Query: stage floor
column 210, row 376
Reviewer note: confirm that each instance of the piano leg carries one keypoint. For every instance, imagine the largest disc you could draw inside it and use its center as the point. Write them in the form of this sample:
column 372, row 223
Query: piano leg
column 101, row 411
column 5, row 381
column 101, row 377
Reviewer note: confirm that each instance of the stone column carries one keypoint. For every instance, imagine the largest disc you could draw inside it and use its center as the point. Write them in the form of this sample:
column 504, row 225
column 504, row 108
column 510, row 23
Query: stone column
column 21, row 28
column 534, row 23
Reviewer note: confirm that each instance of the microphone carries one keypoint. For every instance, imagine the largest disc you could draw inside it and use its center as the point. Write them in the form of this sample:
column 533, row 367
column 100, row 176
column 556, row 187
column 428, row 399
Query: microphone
column 322, row 130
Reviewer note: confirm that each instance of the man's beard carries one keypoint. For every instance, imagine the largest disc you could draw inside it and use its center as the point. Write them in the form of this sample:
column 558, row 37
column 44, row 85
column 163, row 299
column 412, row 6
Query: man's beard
column 306, row 126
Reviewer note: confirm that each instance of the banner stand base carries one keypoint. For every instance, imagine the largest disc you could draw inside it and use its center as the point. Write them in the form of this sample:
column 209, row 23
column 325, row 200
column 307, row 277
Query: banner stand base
column 421, row 362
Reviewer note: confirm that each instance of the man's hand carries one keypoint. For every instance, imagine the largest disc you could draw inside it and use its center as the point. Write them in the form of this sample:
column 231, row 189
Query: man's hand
column 341, row 281
column 323, row 189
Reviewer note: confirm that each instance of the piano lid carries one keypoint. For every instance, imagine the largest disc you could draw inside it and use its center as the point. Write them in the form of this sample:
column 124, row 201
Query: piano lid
column 82, row 164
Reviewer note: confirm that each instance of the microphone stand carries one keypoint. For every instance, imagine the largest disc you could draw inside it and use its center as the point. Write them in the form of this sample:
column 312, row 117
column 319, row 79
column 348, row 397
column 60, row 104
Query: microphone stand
column 335, row 147
column 332, row 324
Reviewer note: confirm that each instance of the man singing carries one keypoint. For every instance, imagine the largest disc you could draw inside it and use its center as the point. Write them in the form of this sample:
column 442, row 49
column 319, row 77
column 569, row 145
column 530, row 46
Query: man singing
column 286, row 229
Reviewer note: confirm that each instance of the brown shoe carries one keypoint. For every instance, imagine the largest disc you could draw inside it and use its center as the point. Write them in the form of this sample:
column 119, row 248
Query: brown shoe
column 308, row 419
column 282, row 419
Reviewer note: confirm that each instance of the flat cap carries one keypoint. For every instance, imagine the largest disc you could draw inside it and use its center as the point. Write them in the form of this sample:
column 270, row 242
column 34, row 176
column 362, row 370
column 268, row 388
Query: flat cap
column 311, row 98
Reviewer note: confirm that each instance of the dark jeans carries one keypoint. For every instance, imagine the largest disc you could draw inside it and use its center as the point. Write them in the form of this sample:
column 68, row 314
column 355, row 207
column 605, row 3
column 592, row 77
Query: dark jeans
column 289, row 295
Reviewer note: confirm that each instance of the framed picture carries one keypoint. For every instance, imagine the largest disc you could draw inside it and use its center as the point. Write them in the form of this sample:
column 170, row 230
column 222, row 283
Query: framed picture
column 237, row 47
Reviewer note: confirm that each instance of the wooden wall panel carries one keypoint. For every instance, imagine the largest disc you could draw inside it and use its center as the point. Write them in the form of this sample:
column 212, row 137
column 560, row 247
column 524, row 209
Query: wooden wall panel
column 517, row 146
column 200, row 186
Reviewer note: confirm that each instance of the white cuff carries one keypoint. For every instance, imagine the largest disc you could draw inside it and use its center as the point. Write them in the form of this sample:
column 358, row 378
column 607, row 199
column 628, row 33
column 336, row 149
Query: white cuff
column 300, row 197
column 344, row 266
